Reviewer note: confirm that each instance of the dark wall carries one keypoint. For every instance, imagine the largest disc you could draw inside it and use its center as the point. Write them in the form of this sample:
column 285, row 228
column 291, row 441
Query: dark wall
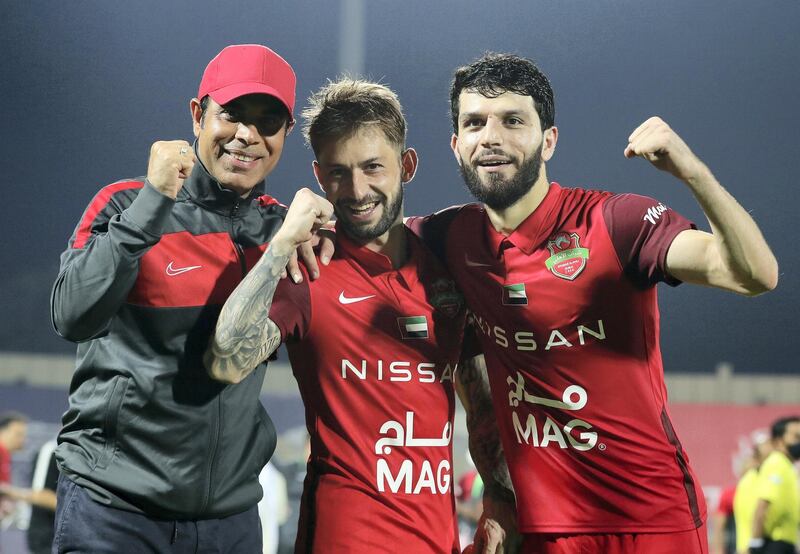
column 86, row 86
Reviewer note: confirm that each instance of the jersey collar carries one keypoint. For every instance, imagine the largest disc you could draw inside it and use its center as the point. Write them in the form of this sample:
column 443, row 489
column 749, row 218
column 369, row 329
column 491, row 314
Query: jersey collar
column 533, row 230
column 203, row 189
column 375, row 263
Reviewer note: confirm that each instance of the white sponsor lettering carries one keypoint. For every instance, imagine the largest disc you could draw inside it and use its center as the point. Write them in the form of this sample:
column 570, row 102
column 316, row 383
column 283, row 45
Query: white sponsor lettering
column 573, row 399
column 404, row 479
column 654, row 214
column 397, row 371
column 525, row 341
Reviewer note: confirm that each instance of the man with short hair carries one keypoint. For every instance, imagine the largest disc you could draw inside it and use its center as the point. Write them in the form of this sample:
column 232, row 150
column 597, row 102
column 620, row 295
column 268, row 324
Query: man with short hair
column 562, row 286
column 776, row 521
column 374, row 343
column 155, row 455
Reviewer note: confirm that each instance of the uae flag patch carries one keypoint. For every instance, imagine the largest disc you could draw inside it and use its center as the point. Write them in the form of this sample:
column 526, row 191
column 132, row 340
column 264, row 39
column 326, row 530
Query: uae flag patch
column 414, row 327
column 514, row 295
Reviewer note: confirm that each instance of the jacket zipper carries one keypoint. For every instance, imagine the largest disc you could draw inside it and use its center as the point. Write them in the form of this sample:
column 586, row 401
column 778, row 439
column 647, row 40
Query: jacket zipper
column 218, row 426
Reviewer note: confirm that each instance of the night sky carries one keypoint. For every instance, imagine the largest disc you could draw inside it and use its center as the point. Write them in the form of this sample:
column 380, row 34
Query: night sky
column 87, row 86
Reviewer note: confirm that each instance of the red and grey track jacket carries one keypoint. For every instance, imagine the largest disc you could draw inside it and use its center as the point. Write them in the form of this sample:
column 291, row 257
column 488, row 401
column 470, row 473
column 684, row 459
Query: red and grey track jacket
column 140, row 288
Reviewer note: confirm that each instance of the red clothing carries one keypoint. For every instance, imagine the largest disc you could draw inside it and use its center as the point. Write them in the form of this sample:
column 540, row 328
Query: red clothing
column 568, row 320
column 374, row 351
column 725, row 505
column 5, row 465
column 693, row 541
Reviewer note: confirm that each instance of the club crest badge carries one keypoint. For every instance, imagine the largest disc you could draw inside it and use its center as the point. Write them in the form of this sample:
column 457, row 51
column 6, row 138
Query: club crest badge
column 567, row 258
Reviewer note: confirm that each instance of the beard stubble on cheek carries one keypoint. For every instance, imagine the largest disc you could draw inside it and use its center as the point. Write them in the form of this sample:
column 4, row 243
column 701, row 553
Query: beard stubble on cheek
column 366, row 233
column 499, row 193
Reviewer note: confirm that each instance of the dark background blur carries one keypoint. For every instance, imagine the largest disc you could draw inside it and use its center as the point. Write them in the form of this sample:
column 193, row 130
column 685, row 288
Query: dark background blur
column 87, row 86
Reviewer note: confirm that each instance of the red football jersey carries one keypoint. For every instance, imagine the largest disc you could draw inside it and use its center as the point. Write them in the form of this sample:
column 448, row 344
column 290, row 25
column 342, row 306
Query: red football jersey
column 374, row 351
column 568, row 321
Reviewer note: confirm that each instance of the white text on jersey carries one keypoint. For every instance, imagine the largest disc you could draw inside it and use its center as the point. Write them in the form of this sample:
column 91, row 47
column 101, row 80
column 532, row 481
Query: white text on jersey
column 400, row 372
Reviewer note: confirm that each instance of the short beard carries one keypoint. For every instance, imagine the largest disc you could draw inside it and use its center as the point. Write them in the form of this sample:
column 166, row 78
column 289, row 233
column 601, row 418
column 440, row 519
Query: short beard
column 500, row 193
column 363, row 233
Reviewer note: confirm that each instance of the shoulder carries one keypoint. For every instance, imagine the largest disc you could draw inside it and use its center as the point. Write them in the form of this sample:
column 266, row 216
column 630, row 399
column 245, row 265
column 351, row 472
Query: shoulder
column 269, row 206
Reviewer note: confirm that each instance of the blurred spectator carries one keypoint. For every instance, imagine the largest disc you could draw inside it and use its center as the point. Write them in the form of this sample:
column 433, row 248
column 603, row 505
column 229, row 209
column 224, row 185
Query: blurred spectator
column 43, row 513
column 745, row 499
column 273, row 508
column 13, row 429
column 723, row 540
column 469, row 504
column 777, row 514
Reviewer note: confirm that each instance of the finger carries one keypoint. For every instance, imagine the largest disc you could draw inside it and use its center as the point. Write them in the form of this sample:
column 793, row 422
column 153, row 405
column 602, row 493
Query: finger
column 327, row 245
column 636, row 132
column 643, row 143
column 309, row 259
column 294, row 269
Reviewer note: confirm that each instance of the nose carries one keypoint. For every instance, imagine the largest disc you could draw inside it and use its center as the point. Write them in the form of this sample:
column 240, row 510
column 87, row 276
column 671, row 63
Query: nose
column 247, row 133
column 359, row 185
column 491, row 135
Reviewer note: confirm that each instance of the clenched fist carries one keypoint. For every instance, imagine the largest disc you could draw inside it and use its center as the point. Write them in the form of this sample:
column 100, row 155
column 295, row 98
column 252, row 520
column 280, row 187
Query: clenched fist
column 307, row 213
column 171, row 161
column 657, row 143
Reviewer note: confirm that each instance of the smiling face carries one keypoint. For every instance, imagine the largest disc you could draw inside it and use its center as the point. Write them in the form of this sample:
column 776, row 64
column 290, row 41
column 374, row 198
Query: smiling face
column 240, row 143
column 500, row 146
column 362, row 175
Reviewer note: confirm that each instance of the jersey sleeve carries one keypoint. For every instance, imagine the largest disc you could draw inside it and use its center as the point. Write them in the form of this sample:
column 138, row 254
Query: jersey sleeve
column 432, row 229
column 642, row 230
column 291, row 308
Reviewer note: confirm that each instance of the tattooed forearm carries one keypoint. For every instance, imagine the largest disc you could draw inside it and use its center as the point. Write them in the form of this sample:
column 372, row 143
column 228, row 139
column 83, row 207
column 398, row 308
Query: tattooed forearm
column 245, row 335
column 484, row 436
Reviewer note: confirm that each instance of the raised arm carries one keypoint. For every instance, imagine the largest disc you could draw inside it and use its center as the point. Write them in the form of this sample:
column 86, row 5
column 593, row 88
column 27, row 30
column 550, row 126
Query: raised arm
column 497, row 525
column 245, row 336
column 120, row 225
column 734, row 256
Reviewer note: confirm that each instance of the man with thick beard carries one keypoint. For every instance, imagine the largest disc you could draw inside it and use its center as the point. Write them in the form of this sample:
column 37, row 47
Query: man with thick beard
column 562, row 286
column 374, row 344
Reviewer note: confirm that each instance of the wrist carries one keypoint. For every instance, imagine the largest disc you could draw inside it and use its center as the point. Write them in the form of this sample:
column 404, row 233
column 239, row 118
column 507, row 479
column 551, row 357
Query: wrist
column 280, row 246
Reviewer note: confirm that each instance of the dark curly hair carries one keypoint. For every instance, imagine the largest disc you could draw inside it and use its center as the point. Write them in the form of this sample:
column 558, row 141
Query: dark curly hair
column 493, row 74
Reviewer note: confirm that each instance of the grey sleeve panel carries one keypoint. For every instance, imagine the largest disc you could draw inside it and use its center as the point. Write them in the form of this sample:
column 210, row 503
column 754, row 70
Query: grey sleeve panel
column 94, row 279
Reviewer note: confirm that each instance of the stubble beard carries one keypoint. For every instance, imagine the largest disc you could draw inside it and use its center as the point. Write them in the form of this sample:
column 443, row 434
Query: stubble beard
column 365, row 233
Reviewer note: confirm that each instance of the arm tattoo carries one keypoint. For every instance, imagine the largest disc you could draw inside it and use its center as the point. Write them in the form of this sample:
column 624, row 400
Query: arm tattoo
column 245, row 336
column 484, row 437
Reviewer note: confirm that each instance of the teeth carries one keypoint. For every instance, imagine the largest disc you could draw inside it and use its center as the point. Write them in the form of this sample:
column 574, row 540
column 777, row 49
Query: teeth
column 363, row 209
column 242, row 157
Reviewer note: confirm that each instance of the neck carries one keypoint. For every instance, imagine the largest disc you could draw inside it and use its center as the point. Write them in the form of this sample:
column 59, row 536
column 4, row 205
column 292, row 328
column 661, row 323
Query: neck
column 393, row 244
column 507, row 220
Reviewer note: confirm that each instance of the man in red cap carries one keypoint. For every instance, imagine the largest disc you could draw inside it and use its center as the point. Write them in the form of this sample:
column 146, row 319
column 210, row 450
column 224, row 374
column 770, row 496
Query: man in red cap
column 156, row 456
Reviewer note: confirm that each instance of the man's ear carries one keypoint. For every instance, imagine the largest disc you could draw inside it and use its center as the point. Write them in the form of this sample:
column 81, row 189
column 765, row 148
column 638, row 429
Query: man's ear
column 454, row 147
column 317, row 171
column 197, row 116
column 549, row 141
column 408, row 162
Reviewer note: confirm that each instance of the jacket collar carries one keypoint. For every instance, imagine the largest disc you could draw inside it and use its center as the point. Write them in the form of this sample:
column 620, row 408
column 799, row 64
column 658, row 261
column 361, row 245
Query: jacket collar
column 205, row 190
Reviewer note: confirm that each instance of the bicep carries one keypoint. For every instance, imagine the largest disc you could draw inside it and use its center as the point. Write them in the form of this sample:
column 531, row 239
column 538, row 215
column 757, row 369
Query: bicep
column 694, row 257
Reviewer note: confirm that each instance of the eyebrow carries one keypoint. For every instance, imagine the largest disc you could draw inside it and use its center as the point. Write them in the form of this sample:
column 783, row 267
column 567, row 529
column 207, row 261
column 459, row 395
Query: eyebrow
column 469, row 115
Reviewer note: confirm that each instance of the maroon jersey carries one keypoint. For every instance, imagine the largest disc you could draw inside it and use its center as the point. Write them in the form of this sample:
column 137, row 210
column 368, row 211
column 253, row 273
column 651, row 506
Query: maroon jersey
column 568, row 321
column 374, row 351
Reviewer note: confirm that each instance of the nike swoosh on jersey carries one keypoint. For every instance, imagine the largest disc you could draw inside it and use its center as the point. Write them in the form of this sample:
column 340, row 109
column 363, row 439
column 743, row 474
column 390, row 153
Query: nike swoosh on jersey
column 470, row 263
column 173, row 271
column 345, row 300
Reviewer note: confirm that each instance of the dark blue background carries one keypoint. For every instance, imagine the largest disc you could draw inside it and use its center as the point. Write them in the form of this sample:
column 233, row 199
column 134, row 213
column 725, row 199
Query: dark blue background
column 87, row 86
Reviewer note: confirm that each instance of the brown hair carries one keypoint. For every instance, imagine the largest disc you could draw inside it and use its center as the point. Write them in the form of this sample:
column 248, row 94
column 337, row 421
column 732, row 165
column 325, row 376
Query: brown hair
column 342, row 107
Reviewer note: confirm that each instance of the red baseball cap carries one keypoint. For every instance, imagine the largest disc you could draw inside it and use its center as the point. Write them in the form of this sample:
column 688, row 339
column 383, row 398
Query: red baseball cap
column 247, row 69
